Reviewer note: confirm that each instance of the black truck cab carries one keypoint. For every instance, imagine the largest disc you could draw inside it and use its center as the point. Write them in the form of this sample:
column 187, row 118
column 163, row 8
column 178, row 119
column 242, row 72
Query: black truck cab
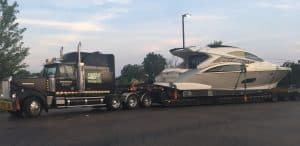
column 65, row 82
column 98, row 72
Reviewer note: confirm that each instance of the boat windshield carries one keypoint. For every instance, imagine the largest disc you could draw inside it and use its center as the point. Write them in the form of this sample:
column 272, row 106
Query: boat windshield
column 247, row 55
column 195, row 60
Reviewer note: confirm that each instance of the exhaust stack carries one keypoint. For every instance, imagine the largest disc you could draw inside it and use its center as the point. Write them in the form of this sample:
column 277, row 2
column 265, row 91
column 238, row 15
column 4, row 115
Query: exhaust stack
column 61, row 52
column 80, row 65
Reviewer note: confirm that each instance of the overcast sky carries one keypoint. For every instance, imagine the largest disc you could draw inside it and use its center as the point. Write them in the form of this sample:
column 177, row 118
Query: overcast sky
column 132, row 28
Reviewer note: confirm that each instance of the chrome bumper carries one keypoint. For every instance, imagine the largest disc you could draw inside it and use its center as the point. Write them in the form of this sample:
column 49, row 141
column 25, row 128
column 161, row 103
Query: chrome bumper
column 7, row 105
column 5, row 89
column 6, row 102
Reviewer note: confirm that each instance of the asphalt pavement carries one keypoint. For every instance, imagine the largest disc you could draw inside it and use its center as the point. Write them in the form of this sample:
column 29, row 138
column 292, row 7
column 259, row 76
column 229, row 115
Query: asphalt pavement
column 264, row 124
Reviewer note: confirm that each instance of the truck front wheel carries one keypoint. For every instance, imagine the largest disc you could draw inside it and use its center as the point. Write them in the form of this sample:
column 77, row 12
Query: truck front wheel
column 113, row 103
column 32, row 107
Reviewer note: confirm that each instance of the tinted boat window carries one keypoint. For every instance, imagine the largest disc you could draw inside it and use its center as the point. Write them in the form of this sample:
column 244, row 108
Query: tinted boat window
column 253, row 57
column 227, row 59
column 246, row 55
column 225, row 68
column 195, row 60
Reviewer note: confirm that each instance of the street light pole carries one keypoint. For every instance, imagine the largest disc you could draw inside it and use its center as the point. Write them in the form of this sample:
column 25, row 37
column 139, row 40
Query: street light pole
column 183, row 35
column 183, row 29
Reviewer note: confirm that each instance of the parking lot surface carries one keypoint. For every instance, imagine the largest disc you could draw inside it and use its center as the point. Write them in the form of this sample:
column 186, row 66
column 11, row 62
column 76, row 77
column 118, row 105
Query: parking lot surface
column 275, row 124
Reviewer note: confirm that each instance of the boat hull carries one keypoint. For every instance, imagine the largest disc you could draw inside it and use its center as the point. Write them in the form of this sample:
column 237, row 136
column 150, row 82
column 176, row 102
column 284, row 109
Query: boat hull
column 252, row 80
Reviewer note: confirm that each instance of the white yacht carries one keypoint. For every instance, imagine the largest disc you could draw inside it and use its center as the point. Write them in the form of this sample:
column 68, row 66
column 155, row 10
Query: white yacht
column 223, row 68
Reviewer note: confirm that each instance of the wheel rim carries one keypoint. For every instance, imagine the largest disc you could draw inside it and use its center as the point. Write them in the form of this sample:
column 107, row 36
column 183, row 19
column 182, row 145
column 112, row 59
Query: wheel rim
column 132, row 102
column 147, row 102
column 115, row 104
column 35, row 107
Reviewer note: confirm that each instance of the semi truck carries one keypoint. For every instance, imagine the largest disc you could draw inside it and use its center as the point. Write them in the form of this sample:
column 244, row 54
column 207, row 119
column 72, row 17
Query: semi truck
column 76, row 79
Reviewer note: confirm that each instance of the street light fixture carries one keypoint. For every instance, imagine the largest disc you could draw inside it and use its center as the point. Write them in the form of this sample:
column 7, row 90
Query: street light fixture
column 183, row 33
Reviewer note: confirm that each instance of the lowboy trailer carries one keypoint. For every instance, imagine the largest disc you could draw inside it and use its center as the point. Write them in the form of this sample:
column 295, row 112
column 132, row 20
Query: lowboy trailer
column 288, row 89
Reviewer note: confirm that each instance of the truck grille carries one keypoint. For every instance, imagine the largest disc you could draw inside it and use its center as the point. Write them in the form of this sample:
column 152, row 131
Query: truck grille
column 6, row 89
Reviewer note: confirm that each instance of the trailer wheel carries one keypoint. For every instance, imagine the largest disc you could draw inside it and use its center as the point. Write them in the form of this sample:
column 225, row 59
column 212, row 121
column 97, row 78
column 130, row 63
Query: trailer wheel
column 132, row 102
column 32, row 107
column 113, row 104
column 274, row 98
column 146, row 101
column 285, row 98
column 295, row 97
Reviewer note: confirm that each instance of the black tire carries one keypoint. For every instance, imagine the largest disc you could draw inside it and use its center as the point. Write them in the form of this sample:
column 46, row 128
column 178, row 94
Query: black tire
column 113, row 104
column 167, row 102
column 146, row 101
column 275, row 98
column 32, row 107
column 132, row 102
column 295, row 97
column 285, row 98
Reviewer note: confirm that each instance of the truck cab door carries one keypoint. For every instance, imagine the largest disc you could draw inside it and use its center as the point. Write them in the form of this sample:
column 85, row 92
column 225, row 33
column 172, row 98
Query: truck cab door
column 66, row 78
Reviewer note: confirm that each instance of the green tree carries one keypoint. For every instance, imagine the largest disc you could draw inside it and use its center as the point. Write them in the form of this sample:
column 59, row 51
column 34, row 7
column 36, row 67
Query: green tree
column 130, row 73
column 22, row 74
column 37, row 74
column 215, row 44
column 12, row 51
column 153, row 65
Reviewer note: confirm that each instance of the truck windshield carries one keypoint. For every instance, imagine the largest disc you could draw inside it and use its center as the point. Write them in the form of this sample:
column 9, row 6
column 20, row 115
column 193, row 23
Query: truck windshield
column 49, row 70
